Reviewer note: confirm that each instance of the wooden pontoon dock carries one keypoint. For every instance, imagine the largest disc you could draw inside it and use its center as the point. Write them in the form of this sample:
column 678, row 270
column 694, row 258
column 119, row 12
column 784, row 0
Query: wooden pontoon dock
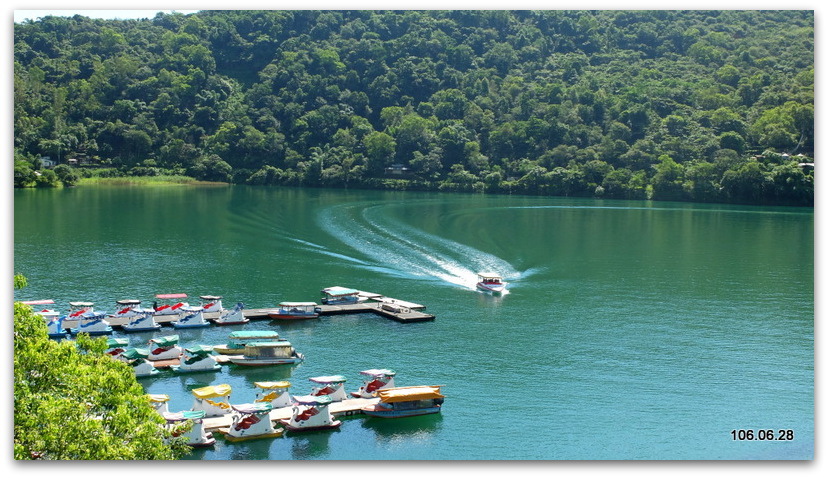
column 395, row 309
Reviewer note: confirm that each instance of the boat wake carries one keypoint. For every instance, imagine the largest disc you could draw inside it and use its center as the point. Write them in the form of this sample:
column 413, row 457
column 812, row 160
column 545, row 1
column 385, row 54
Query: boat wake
column 392, row 247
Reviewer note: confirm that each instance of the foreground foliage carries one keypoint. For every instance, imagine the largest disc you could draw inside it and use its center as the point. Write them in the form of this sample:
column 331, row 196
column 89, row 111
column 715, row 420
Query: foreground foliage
column 73, row 402
column 677, row 105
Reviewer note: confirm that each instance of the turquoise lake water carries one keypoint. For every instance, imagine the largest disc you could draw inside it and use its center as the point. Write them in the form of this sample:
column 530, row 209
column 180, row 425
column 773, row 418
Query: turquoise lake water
column 632, row 330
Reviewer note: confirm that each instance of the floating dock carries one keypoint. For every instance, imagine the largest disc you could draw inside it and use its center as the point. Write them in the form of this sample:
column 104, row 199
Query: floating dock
column 345, row 408
column 395, row 309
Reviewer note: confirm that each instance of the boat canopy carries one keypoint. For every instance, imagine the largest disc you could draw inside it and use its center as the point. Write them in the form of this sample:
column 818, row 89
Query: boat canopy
column 407, row 394
column 81, row 304
column 489, row 275
column 312, row 400
column 184, row 415
column 133, row 353
column 378, row 372
column 38, row 302
column 258, row 407
column 281, row 349
column 128, row 302
column 158, row 397
column 272, row 385
column 166, row 341
column 253, row 334
column 212, row 391
column 337, row 291
column 199, row 350
column 329, row 379
column 211, row 297
column 171, row 296
column 298, row 304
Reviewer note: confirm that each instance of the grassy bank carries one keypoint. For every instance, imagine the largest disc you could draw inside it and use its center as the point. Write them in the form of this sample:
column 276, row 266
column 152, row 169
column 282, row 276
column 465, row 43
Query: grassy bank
column 143, row 181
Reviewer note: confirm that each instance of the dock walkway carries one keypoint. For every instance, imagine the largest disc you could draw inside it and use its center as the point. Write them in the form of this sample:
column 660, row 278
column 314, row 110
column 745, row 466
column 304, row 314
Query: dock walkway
column 399, row 310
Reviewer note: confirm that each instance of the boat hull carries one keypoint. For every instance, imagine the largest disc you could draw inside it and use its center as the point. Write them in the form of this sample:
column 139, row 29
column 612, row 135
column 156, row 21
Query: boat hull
column 253, row 362
column 490, row 289
column 140, row 329
column 234, row 322
column 292, row 428
column 92, row 332
column 189, row 326
column 180, row 369
column 278, row 316
column 400, row 413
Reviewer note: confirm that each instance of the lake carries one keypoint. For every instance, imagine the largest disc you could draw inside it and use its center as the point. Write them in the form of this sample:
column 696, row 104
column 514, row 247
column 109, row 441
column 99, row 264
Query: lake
column 631, row 330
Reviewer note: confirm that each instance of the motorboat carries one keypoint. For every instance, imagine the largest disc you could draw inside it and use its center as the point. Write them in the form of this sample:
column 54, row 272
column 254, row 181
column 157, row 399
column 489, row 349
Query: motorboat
column 173, row 305
column 340, row 295
column 310, row 413
column 126, row 309
column 491, row 283
column 92, row 323
column 214, row 400
column 142, row 320
column 239, row 338
column 137, row 359
column 267, row 353
column 251, row 420
column 233, row 316
column 211, row 303
column 375, row 380
column 330, row 385
column 295, row 311
column 197, row 359
column 274, row 393
column 406, row 402
column 164, row 348
column 197, row 436
column 191, row 318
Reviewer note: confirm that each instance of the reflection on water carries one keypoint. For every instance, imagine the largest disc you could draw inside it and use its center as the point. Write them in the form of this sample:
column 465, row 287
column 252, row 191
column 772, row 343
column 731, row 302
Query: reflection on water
column 391, row 430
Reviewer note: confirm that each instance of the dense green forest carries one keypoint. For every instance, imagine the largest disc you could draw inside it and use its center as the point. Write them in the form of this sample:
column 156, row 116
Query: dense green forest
column 713, row 106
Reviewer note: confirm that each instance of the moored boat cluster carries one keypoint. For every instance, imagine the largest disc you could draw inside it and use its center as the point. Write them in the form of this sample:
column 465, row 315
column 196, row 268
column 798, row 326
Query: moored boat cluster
column 274, row 411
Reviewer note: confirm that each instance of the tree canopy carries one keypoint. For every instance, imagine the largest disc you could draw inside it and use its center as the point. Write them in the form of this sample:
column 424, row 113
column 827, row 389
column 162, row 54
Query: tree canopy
column 74, row 402
column 621, row 104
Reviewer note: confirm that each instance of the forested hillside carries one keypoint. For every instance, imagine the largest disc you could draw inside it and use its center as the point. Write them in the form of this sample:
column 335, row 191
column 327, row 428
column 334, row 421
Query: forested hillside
column 674, row 105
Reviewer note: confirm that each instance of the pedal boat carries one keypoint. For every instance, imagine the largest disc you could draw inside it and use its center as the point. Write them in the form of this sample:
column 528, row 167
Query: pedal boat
column 491, row 283
column 137, row 359
column 191, row 318
column 233, row 316
column 126, row 309
column 197, row 359
column 310, row 413
column 77, row 309
column 214, row 400
column 116, row 346
column 274, row 393
column 406, row 402
column 143, row 320
column 197, row 436
column 56, row 329
column 267, row 353
column 160, row 402
column 211, row 303
column 47, row 313
column 239, row 338
column 329, row 385
column 92, row 323
column 165, row 348
column 170, row 308
column 251, row 421
column 375, row 379
column 295, row 311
